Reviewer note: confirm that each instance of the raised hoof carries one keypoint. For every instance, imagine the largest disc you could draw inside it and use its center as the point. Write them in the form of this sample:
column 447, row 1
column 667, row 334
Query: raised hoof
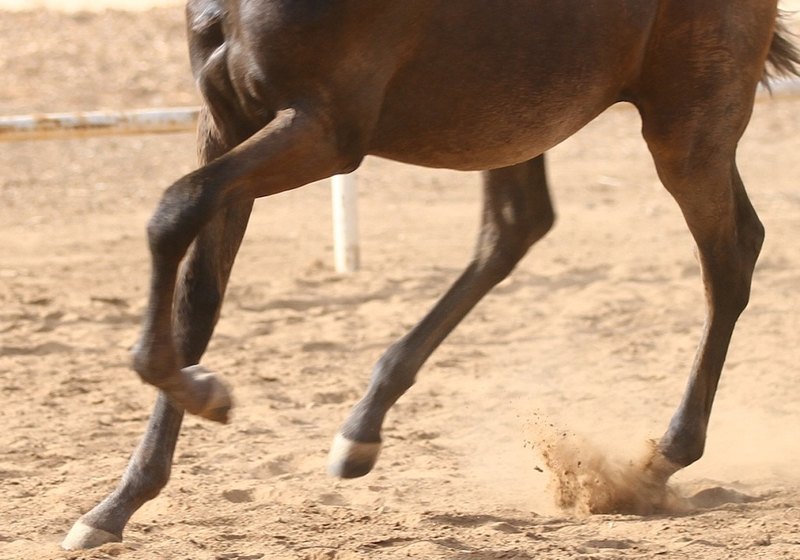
column 82, row 536
column 351, row 459
column 218, row 402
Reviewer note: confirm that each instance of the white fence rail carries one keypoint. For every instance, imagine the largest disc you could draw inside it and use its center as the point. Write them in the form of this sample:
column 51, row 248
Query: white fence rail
column 49, row 126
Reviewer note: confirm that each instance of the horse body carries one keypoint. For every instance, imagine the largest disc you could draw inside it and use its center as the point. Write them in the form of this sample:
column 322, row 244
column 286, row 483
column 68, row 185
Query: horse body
column 522, row 99
column 299, row 90
column 394, row 85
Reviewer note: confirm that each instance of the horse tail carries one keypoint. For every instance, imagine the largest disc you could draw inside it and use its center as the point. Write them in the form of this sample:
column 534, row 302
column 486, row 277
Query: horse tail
column 783, row 59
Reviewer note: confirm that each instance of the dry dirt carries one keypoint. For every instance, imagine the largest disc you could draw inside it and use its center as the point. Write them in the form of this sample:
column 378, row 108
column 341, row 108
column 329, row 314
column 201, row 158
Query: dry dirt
column 594, row 334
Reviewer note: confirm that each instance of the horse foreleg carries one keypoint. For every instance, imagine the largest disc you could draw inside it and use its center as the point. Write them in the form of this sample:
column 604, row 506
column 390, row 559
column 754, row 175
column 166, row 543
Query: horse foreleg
column 207, row 210
column 201, row 286
column 295, row 148
column 517, row 212
column 147, row 473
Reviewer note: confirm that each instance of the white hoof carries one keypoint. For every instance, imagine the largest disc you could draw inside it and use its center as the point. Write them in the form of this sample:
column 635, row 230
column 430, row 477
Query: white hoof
column 351, row 459
column 83, row 536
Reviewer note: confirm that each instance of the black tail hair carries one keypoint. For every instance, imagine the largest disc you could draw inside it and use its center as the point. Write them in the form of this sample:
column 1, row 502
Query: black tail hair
column 783, row 59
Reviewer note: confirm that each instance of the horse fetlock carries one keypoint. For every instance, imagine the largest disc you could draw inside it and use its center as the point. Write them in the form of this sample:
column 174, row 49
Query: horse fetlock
column 659, row 466
column 83, row 536
column 352, row 459
column 682, row 448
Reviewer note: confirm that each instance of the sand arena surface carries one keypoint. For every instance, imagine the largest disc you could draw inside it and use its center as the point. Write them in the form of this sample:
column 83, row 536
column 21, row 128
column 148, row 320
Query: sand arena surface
column 593, row 336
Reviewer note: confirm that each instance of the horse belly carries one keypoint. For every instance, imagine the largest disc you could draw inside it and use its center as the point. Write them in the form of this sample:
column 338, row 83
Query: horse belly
column 487, row 88
column 485, row 135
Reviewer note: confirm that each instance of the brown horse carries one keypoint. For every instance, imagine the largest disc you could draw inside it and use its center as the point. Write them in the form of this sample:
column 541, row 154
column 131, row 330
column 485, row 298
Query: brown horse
column 299, row 90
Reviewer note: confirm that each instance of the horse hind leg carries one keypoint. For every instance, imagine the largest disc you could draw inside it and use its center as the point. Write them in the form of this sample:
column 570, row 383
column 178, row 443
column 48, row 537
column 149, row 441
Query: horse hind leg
column 516, row 213
column 201, row 286
column 695, row 159
column 729, row 236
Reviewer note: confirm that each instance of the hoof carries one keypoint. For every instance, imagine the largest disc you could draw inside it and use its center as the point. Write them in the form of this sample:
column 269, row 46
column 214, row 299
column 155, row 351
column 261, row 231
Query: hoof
column 351, row 459
column 82, row 536
column 218, row 402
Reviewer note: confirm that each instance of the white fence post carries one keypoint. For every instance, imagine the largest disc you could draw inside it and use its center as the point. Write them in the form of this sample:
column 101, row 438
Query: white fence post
column 344, row 194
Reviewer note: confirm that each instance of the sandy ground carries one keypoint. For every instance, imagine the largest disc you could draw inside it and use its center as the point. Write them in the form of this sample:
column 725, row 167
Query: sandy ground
column 594, row 333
